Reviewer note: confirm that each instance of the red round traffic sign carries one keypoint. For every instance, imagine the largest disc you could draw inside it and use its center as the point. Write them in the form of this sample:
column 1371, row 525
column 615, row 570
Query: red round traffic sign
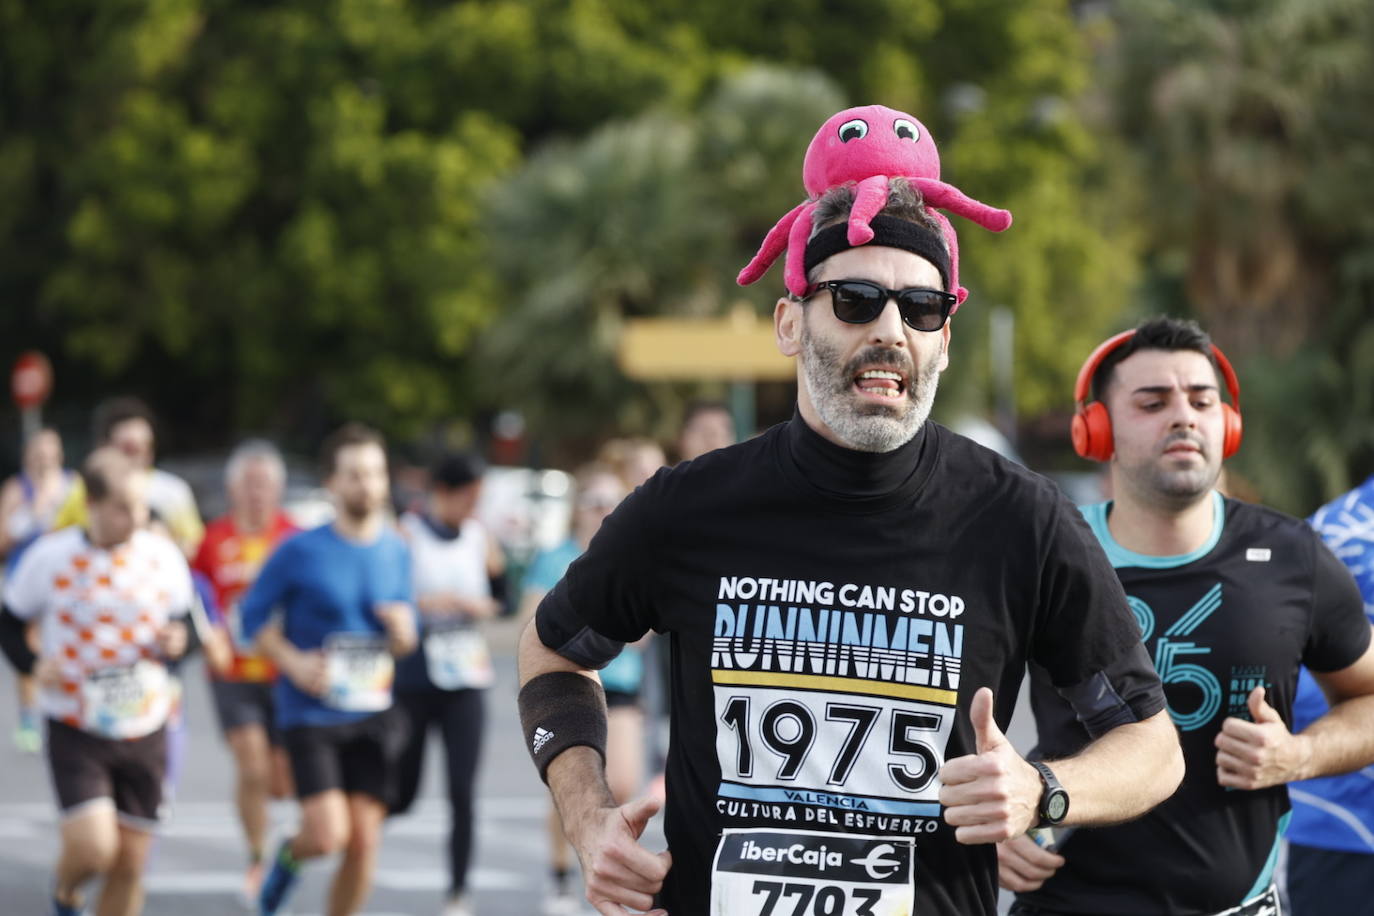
column 31, row 379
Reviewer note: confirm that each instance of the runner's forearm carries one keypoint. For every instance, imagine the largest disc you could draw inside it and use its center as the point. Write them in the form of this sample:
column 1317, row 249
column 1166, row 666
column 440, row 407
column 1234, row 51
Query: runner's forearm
column 272, row 642
column 1123, row 774
column 1341, row 741
column 577, row 782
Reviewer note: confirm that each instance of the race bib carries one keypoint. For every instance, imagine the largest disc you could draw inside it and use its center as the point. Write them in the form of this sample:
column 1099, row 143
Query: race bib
column 359, row 671
column 126, row 702
column 792, row 873
column 456, row 656
column 1265, row 904
column 859, row 755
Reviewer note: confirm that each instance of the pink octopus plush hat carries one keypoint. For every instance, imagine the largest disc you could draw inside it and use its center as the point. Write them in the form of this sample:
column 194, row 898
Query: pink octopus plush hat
column 867, row 147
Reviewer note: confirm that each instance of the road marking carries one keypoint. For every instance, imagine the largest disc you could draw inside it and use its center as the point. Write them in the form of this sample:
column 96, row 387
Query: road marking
column 427, row 880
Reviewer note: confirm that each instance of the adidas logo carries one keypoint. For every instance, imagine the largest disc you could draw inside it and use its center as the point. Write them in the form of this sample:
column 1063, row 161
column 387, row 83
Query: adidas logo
column 541, row 737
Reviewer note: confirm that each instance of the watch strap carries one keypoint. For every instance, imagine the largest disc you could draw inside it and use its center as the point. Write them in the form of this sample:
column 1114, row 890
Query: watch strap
column 1049, row 785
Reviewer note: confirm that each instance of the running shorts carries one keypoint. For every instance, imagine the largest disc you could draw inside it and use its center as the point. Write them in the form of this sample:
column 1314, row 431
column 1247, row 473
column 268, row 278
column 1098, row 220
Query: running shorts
column 358, row 757
column 618, row 698
column 86, row 768
column 240, row 703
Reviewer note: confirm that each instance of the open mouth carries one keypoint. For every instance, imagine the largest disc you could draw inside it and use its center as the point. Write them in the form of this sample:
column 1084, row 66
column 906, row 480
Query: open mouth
column 881, row 384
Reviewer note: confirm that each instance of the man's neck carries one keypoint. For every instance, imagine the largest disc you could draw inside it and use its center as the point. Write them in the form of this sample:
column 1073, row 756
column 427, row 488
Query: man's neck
column 362, row 530
column 251, row 522
column 1154, row 530
column 100, row 542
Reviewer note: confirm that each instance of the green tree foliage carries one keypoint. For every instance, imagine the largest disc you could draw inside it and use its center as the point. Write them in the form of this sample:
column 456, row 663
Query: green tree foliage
column 997, row 83
column 632, row 221
column 231, row 208
column 275, row 214
column 1251, row 128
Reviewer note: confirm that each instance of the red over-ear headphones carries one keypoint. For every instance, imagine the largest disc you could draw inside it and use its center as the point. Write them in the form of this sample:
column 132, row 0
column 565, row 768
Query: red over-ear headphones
column 1092, row 426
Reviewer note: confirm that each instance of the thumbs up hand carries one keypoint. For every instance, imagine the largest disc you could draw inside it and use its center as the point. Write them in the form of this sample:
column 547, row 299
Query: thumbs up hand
column 993, row 794
column 1260, row 753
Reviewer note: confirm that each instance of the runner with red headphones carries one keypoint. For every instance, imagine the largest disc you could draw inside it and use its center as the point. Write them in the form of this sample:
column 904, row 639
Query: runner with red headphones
column 1229, row 597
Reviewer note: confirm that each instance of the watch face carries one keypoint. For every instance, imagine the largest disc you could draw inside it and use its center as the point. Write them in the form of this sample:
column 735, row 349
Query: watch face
column 1056, row 806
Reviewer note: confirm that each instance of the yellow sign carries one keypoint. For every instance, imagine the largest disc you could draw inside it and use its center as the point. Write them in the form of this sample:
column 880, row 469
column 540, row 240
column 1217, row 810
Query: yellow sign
column 738, row 347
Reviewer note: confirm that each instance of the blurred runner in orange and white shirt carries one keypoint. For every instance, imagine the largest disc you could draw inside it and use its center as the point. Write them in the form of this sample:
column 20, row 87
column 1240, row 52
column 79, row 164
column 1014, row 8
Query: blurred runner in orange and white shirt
column 230, row 556
column 111, row 604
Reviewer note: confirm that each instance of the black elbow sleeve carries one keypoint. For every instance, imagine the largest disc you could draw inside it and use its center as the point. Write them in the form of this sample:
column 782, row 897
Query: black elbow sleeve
column 500, row 592
column 14, row 641
column 193, row 643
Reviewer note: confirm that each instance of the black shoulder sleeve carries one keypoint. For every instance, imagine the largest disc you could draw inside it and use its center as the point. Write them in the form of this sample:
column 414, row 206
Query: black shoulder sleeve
column 607, row 591
column 1127, row 690
column 1087, row 640
column 561, row 629
column 14, row 642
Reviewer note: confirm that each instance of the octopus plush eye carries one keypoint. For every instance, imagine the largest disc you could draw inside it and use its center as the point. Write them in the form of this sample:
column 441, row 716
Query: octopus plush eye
column 906, row 130
column 856, row 129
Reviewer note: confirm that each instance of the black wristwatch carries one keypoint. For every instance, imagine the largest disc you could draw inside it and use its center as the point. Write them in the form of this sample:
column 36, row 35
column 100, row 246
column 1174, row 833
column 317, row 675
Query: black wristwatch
column 1054, row 799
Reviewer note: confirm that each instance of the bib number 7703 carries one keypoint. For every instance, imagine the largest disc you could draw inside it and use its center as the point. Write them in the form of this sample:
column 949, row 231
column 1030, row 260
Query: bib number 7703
column 798, row 899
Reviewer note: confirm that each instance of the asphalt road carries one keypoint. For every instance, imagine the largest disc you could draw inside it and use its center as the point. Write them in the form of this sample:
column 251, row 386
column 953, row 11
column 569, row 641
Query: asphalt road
column 198, row 862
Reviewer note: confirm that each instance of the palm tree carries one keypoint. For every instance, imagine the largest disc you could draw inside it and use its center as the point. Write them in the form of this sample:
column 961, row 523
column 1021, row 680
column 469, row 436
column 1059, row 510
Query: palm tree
column 1224, row 103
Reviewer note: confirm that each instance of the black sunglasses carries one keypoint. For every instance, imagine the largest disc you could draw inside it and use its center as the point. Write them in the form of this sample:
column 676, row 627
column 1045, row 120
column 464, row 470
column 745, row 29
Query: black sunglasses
column 859, row 302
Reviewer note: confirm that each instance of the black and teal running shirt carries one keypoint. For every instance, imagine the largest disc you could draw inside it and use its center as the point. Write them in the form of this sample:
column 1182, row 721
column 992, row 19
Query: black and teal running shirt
column 1261, row 596
column 831, row 615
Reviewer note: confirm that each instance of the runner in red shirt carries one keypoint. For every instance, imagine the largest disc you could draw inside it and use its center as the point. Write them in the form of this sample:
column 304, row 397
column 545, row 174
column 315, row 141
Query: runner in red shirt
column 233, row 550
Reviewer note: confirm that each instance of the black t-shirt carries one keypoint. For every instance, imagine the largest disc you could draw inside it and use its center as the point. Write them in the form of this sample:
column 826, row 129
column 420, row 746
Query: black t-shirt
column 831, row 615
column 1264, row 595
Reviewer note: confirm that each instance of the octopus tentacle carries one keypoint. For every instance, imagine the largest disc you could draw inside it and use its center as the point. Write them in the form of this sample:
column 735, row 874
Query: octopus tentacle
column 794, row 276
column 773, row 245
column 870, row 196
column 948, row 197
column 951, row 240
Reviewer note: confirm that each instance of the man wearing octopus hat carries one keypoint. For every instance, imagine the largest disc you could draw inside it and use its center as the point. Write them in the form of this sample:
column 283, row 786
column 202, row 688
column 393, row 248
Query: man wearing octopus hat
column 851, row 599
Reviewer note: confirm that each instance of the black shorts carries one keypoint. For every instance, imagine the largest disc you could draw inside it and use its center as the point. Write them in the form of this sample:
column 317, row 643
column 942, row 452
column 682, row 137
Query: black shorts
column 1327, row 880
column 86, row 768
column 357, row 757
column 240, row 703
column 619, row 698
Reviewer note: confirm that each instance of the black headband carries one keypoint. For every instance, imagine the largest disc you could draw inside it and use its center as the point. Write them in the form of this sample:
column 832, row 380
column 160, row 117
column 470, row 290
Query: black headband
column 888, row 231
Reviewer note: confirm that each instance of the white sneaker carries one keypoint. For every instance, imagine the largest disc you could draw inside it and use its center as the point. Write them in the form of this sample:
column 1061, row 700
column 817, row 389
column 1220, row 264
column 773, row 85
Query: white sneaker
column 564, row 904
column 457, row 906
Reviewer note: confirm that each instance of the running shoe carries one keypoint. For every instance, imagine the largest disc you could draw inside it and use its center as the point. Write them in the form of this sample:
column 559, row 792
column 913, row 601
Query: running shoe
column 252, row 884
column 61, row 909
column 279, row 881
column 27, row 740
column 561, row 905
column 457, row 906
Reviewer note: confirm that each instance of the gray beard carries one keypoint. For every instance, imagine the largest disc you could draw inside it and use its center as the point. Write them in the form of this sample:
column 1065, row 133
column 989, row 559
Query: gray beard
column 862, row 426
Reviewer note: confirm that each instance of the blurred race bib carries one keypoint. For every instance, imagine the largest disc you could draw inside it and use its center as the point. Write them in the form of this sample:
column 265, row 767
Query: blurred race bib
column 456, row 657
column 358, row 673
column 126, row 702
